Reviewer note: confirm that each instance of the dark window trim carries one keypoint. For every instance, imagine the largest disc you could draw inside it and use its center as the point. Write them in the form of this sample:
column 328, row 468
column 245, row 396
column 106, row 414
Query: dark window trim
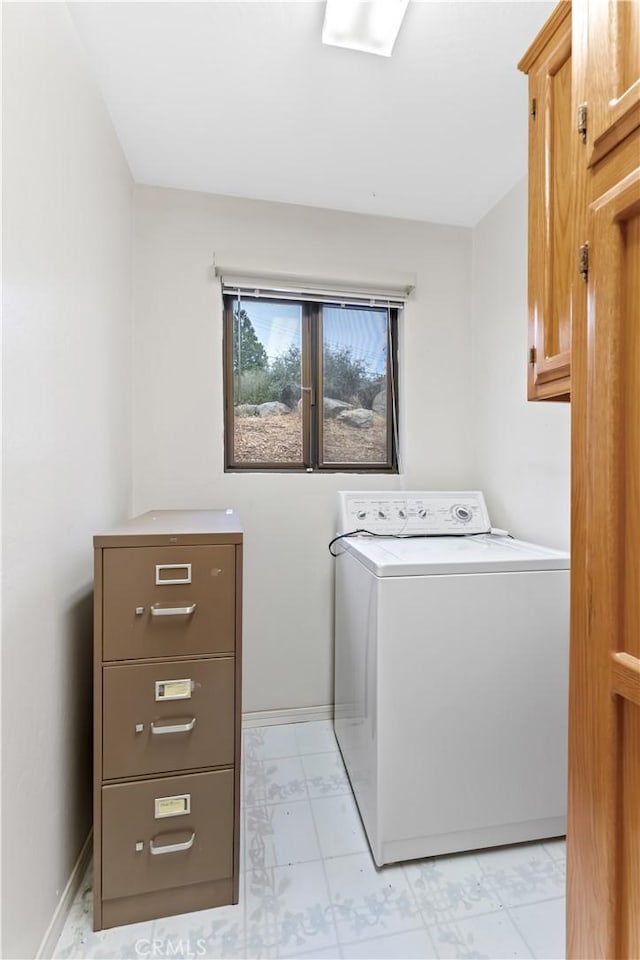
column 312, row 419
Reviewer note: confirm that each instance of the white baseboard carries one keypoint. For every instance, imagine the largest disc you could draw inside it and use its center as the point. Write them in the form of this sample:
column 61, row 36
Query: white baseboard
column 266, row 718
column 50, row 939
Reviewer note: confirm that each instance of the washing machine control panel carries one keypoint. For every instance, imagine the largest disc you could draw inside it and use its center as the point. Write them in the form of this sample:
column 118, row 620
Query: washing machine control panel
column 430, row 513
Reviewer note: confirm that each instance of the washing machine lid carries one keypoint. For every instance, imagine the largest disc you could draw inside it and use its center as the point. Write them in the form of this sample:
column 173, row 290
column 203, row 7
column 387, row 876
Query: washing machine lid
column 432, row 556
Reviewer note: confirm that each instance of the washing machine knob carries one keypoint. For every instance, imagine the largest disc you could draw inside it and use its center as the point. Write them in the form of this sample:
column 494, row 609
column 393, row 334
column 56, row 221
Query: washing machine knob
column 422, row 513
column 460, row 512
column 362, row 514
column 402, row 513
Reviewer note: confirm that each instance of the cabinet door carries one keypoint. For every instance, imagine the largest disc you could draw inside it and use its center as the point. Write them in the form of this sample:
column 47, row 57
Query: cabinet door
column 613, row 108
column 552, row 213
column 604, row 717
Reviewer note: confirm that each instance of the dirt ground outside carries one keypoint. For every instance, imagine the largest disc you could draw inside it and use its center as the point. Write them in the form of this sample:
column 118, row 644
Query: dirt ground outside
column 279, row 439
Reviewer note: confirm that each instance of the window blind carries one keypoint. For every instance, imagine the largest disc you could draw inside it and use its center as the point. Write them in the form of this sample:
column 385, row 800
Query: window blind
column 298, row 288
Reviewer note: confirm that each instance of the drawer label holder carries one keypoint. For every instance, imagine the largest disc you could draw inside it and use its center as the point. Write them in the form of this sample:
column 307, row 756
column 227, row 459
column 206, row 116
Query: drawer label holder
column 162, row 580
column 174, row 689
column 177, row 806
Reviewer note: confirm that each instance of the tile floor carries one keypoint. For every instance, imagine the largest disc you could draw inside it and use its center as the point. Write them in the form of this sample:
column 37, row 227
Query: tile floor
column 309, row 888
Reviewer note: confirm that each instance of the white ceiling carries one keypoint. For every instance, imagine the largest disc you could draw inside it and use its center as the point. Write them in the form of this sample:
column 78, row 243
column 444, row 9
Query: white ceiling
column 243, row 99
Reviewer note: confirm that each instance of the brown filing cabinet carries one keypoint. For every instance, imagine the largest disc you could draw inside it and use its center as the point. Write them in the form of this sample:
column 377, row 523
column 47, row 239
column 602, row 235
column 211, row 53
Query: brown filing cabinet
column 167, row 693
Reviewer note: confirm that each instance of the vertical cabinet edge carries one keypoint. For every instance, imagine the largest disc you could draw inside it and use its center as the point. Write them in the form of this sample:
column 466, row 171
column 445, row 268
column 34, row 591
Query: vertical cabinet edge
column 97, row 739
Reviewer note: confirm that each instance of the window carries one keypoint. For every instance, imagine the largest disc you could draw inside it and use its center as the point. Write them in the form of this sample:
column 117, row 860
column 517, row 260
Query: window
column 309, row 385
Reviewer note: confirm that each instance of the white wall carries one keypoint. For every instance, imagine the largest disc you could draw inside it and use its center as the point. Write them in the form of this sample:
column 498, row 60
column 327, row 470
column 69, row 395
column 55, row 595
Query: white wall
column 521, row 449
column 178, row 400
column 66, row 441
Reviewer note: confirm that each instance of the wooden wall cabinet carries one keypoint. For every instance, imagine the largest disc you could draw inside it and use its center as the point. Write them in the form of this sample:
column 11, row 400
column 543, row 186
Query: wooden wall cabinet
column 167, row 715
column 584, row 293
column 603, row 841
column 554, row 154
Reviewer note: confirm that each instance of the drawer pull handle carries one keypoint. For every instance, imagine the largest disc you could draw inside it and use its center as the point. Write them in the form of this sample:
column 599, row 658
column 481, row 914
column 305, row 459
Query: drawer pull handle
column 174, row 727
column 173, row 847
column 158, row 611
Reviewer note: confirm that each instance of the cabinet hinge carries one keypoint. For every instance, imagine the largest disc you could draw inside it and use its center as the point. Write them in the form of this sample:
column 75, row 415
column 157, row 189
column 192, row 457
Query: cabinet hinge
column 534, row 108
column 532, row 354
column 582, row 121
column 583, row 261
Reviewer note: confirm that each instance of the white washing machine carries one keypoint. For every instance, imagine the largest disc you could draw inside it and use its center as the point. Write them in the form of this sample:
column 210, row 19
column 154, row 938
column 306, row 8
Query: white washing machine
column 451, row 675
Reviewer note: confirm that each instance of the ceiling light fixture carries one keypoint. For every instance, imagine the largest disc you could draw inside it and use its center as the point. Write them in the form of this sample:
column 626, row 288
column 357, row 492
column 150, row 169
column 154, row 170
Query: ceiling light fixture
column 367, row 25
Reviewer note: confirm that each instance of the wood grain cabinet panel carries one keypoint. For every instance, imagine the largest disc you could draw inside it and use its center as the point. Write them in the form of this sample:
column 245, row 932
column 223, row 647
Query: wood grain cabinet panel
column 167, row 715
column 613, row 67
column 554, row 206
column 603, row 917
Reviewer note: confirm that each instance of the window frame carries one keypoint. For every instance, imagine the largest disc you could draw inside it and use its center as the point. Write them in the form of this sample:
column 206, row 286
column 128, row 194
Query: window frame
column 311, row 351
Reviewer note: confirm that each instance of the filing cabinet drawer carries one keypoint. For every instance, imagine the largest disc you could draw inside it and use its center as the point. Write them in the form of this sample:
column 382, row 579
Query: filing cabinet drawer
column 163, row 717
column 168, row 601
column 167, row 832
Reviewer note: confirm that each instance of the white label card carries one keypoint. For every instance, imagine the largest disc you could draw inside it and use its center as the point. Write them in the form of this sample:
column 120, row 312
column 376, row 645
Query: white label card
column 173, row 806
column 173, row 689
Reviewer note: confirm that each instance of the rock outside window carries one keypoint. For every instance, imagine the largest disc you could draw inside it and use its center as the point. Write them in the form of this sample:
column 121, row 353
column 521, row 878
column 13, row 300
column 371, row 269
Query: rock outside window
column 309, row 386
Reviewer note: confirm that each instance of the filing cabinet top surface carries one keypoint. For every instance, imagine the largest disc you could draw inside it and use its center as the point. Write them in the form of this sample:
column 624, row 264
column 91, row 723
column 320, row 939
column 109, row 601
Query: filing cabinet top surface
column 162, row 527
